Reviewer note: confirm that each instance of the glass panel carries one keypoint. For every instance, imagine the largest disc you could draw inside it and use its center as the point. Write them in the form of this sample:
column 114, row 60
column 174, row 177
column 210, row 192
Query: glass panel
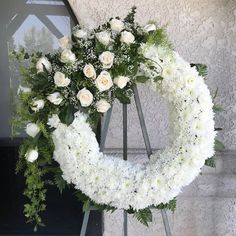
column 36, row 26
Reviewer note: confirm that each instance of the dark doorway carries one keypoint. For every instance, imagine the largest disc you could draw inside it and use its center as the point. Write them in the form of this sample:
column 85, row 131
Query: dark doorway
column 22, row 24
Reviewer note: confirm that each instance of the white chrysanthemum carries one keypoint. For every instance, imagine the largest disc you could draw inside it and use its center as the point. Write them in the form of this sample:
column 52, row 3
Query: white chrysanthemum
column 123, row 184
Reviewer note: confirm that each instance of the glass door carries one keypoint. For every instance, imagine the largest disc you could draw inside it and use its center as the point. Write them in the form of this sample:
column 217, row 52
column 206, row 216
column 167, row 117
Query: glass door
column 35, row 25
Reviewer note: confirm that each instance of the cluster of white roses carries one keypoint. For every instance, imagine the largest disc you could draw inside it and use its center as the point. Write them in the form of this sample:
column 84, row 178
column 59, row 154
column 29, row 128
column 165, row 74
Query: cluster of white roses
column 103, row 81
column 112, row 181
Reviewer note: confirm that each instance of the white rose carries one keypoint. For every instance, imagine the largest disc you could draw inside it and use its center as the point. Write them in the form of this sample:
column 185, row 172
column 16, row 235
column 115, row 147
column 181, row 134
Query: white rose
column 43, row 61
column 102, row 106
column 104, row 81
column 37, row 105
column 127, row 37
column 103, row 37
column 53, row 121
column 23, row 89
column 89, row 71
column 32, row 155
column 32, row 129
column 61, row 80
column 116, row 25
column 81, row 34
column 85, row 97
column 55, row 98
column 65, row 42
column 106, row 58
column 67, row 56
column 149, row 27
column 121, row 81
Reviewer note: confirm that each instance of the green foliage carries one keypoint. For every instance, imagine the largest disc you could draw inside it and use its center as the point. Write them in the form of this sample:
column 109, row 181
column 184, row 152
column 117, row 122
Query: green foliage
column 144, row 216
column 217, row 108
column 159, row 37
column 87, row 202
column 130, row 18
column 66, row 114
column 219, row 146
column 201, row 68
column 171, row 205
column 210, row 162
column 86, row 205
column 141, row 79
column 59, row 182
column 36, row 193
column 122, row 96
column 218, row 129
column 158, row 78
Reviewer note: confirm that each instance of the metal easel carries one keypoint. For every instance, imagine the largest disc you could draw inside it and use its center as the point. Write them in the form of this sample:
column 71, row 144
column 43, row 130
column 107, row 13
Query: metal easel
column 149, row 152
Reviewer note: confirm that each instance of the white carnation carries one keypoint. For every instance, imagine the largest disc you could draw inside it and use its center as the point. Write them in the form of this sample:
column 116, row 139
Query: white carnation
column 158, row 181
column 106, row 58
column 127, row 37
column 117, row 25
column 32, row 155
column 103, row 37
column 68, row 57
column 121, row 81
column 85, row 97
column 32, row 129
column 43, row 62
column 104, row 81
column 103, row 106
column 61, row 80
column 55, row 98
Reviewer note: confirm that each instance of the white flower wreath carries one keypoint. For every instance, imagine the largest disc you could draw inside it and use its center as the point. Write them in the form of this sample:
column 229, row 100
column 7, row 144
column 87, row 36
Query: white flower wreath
column 122, row 184
column 65, row 93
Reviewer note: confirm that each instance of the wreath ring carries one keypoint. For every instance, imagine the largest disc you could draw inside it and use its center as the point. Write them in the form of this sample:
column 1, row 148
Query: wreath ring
column 63, row 94
column 122, row 184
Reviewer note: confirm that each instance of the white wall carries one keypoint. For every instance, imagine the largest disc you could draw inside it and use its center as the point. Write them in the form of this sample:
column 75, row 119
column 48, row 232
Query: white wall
column 202, row 31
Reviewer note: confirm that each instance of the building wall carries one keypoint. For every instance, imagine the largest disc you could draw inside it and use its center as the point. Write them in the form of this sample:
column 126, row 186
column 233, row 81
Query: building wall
column 201, row 31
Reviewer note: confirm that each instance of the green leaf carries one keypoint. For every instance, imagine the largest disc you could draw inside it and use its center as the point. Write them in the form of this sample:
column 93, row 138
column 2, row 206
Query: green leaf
column 144, row 216
column 217, row 108
column 158, row 78
column 81, row 196
column 215, row 94
column 86, row 205
column 219, row 145
column 104, row 207
column 201, row 68
column 171, row 205
column 141, row 79
column 218, row 129
column 121, row 96
column 159, row 37
column 210, row 162
column 67, row 114
column 59, row 182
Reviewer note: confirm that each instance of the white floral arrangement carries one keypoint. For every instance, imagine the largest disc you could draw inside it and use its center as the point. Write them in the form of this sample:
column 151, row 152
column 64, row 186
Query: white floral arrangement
column 64, row 96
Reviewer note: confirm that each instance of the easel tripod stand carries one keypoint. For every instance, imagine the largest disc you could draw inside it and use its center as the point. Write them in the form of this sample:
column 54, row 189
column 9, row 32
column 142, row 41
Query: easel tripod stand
column 125, row 148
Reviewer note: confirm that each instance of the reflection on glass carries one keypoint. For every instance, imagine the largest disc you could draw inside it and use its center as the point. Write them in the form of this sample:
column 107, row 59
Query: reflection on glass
column 35, row 25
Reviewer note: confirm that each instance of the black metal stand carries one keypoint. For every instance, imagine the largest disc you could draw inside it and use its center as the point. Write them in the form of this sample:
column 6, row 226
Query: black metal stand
column 125, row 148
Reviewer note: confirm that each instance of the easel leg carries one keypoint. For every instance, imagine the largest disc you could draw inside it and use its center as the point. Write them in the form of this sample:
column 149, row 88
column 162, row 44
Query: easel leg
column 149, row 150
column 125, row 223
column 125, row 147
column 105, row 128
column 166, row 222
column 85, row 223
